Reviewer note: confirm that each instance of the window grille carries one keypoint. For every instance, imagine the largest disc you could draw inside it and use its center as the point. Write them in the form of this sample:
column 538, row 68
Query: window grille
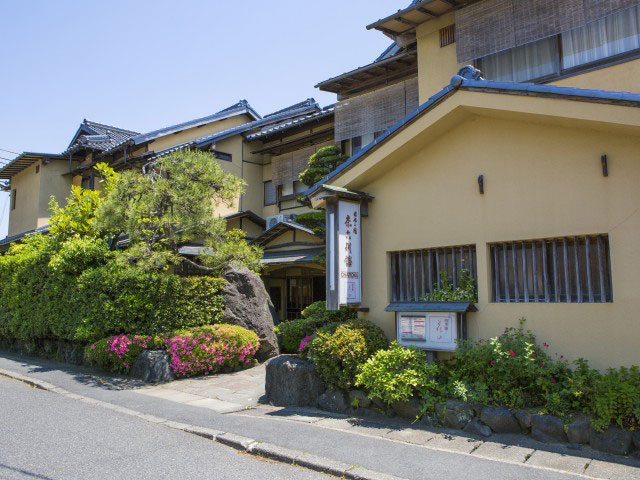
column 558, row 270
column 447, row 35
column 415, row 273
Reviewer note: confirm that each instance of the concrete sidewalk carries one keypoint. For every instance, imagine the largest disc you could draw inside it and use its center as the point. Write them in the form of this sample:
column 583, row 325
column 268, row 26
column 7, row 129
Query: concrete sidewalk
column 393, row 447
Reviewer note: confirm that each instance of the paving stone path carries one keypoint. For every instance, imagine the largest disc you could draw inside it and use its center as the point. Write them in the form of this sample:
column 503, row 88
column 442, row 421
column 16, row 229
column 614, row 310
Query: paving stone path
column 224, row 393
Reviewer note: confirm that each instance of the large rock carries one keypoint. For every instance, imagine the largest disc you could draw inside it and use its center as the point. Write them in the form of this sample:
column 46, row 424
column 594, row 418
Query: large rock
column 500, row 420
column 152, row 366
column 458, row 414
column 333, row 401
column 292, row 382
column 359, row 398
column 247, row 303
column 476, row 427
column 613, row 440
column 635, row 437
column 579, row 430
column 524, row 419
column 409, row 409
column 548, row 429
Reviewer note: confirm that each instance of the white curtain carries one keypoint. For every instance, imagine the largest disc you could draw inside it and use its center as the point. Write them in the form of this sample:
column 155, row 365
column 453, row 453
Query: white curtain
column 612, row 35
column 522, row 64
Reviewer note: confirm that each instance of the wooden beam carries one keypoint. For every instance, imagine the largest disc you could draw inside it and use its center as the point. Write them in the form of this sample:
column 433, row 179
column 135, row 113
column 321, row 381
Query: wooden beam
column 426, row 11
column 406, row 22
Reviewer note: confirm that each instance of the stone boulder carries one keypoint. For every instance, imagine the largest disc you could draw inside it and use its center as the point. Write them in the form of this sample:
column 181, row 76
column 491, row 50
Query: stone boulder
column 458, row 414
column 548, row 429
column 409, row 409
column 292, row 381
column 613, row 440
column 333, row 401
column 500, row 420
column 152, row 366
column 359, row 398
column 476, row 427
column 579, row 429
column 247, row 304
column 524, row 419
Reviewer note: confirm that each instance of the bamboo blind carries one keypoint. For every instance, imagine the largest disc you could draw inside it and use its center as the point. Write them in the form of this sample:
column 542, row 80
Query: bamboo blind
column 414, row 273
column 375, row 111
column 558, row 270
column 491, row 26
column 286, row 168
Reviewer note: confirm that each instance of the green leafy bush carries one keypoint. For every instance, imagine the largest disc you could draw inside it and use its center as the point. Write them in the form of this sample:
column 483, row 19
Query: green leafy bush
column 616, row 399
column 314, row 316
column 466, row 290
column 397, row 374
column 339, row 349
column 73, row 290
column 510, row 370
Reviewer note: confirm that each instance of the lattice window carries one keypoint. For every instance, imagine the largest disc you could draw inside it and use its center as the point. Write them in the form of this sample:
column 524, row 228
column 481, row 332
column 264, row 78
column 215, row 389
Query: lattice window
column 557, row 270
column 415, row 273
column 447, row 35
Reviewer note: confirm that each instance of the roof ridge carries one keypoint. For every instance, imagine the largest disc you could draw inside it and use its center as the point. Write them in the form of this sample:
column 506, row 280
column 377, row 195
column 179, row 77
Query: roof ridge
column 124, row 130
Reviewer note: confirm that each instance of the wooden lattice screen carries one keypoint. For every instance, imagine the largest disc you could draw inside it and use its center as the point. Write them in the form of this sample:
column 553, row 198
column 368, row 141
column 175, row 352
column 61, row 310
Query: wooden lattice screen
column 417, row 272
column 491, row 26
column 558, row 270
column 286, row 168
column 375, row 111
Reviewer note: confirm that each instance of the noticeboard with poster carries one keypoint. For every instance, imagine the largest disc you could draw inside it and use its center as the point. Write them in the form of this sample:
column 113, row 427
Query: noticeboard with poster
column 428, row 330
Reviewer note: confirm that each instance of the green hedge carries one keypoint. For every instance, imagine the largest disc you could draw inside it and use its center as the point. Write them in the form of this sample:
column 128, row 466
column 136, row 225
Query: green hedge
column 76, row 291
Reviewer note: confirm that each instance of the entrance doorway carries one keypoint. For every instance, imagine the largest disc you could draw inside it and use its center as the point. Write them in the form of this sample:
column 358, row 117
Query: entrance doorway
column 293, row 289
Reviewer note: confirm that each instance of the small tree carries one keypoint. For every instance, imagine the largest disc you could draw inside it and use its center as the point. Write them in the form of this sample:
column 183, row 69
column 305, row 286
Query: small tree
column 78, row 216
column 321, row 164
column 173, row 203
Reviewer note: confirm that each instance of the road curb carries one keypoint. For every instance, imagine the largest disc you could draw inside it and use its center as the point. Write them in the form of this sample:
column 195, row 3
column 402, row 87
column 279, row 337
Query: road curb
column 239, row 442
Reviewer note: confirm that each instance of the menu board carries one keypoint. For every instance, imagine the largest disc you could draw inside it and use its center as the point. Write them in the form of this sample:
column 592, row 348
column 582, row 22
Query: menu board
column 429, row 331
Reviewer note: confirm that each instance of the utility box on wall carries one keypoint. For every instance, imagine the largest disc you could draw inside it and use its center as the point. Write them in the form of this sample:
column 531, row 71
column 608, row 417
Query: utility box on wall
column 431, row 326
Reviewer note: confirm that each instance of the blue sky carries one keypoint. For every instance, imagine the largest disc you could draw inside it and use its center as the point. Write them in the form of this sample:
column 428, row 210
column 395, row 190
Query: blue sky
column 142, row 64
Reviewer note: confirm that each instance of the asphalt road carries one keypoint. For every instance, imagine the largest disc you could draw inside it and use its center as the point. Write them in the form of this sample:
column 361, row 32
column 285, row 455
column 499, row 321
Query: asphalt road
column 49, row 436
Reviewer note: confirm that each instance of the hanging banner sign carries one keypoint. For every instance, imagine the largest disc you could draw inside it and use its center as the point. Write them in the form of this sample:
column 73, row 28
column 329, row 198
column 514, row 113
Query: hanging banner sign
column 349, row 253
column 344, row 257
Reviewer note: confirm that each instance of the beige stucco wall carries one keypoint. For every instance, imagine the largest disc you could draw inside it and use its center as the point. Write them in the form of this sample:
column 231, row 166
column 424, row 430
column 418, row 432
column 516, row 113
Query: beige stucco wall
column 621, row 77
column 543, row 179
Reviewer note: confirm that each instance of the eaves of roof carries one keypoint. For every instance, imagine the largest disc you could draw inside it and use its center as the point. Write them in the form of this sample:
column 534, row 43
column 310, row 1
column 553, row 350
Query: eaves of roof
column 278, row 229
column 295, row 122
column 468, row 78
column 25, row 160
column 14, row 238
column 114, row 136
column 254, row 217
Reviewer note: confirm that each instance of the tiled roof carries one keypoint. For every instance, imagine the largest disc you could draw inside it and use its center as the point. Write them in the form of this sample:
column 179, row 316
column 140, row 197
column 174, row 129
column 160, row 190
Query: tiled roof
column 14, row 238
column 240, row 129
column 236, row 109
column 98, row 136
column 295, row 122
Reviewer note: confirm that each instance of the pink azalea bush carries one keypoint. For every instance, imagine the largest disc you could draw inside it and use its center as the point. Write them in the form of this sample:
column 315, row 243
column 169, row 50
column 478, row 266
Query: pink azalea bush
column 118, row 353
column 197, row 351
column 305, row 343
column 208, row 349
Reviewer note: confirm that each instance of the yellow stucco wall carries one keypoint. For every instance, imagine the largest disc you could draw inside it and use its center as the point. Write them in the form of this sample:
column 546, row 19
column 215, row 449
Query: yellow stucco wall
column 543, row 179
column 621, row 77
column 53, row 182
column 27, row 185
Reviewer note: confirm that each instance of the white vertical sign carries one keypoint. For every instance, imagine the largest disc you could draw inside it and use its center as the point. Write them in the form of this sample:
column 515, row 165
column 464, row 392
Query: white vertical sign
column 349, row 253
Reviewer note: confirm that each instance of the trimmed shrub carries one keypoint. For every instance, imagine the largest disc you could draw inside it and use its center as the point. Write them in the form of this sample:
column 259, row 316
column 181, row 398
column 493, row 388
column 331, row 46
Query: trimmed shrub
column 75, row 291
column 339, row 349
column 208, row 349
column 397, row 374
column 316, row 315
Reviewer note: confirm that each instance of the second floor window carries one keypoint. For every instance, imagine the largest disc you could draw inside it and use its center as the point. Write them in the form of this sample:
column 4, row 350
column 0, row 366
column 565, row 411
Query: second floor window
column 14, row 193
column 608, row 38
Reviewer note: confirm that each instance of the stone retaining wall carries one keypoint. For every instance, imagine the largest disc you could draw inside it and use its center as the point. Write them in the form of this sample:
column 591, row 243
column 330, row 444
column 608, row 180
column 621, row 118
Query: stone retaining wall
column 293, row 381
